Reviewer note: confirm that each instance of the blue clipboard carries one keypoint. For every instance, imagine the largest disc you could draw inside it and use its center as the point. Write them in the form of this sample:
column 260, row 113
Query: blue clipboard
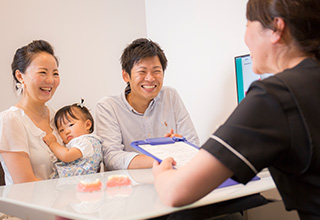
column 159, row 142
column 161, row 148
column 231, row 182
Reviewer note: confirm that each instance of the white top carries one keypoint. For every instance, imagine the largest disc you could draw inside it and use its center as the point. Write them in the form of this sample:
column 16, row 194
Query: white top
column 90, row 147
column 84, row 144
column 19, row 134
column 118, row 124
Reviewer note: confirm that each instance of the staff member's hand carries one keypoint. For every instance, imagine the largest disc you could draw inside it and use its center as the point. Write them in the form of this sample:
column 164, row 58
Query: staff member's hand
column 166, row 164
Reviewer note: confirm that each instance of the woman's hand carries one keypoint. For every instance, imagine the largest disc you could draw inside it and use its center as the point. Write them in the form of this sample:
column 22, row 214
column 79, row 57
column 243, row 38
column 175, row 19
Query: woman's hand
column 166, row 164
column 178, row 187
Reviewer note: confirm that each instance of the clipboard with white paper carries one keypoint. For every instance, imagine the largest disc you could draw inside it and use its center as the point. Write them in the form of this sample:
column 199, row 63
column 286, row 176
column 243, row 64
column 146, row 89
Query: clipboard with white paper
column 179, row 148
column 161, row 148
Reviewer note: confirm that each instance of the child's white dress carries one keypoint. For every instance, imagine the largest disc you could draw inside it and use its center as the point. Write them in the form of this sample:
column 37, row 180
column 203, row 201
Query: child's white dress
column 91, row 148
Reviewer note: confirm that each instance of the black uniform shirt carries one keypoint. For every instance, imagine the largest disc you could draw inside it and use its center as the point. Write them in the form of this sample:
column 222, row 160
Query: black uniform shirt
column 277, row 125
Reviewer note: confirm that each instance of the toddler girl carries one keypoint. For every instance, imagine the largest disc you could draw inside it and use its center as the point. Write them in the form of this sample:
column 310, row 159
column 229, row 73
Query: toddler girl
column 82, row 152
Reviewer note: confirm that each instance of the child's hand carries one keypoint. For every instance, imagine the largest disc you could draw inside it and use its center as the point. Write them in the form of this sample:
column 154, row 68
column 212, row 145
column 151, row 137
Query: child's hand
column 49, row 139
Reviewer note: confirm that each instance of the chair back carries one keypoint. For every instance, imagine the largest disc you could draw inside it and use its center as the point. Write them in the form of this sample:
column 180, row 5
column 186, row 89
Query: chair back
column 2, row 182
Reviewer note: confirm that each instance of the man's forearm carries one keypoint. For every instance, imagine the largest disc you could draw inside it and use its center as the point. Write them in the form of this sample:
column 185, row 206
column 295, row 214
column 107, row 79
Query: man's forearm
column 141, row 161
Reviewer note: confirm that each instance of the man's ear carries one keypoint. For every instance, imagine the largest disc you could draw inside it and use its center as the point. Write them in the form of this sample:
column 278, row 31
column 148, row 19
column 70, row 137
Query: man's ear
column 19, row 76
column 279, row 28
column 125, row 76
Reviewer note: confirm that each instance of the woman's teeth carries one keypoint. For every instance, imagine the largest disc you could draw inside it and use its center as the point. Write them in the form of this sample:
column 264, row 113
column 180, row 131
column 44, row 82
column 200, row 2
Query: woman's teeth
column 46, row 89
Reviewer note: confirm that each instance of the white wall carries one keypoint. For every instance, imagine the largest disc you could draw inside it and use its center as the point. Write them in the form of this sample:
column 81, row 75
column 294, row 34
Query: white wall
column 88, row 37
column 199, row 37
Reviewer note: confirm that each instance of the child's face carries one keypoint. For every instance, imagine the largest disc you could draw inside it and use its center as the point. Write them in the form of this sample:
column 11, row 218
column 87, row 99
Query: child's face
column 69, row 129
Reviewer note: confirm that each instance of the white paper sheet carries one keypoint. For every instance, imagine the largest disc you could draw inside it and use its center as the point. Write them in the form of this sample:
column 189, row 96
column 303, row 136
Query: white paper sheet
column 180, row 151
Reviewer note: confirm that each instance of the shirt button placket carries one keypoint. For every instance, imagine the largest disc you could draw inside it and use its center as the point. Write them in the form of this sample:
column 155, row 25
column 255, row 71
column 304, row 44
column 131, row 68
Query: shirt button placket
column 148, row 126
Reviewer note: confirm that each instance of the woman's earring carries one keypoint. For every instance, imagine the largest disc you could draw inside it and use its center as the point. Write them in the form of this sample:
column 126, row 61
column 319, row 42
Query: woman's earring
column 19, row 87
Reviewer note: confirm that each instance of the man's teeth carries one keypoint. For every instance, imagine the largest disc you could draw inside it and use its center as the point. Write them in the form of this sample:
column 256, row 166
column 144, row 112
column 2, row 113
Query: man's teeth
column 149, row 87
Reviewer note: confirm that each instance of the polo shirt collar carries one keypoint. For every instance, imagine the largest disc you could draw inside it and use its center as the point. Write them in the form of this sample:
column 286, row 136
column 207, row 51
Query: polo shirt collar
column 129, row 107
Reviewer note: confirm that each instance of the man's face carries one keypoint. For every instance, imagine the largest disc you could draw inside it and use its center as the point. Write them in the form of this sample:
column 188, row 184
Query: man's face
column 146, row 81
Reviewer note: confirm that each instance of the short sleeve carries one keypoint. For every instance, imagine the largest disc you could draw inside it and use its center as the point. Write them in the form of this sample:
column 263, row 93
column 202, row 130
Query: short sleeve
column 83, row 144
column 254, row 136
column 13, row 134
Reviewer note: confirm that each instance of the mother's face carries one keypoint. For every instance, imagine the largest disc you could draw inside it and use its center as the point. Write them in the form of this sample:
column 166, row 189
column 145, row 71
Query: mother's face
column 41, row 78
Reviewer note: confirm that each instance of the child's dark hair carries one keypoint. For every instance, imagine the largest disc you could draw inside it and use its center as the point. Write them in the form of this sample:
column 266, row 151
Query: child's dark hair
column 64, row 113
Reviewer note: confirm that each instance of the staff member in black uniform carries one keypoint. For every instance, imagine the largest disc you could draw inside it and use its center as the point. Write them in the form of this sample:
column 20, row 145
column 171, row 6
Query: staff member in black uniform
column 277, row 125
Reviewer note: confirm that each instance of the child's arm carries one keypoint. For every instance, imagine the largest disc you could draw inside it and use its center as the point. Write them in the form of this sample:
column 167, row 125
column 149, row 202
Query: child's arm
column 63, row 153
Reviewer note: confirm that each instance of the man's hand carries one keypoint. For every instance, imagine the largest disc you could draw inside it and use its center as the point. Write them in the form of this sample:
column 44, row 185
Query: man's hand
column 172, row 134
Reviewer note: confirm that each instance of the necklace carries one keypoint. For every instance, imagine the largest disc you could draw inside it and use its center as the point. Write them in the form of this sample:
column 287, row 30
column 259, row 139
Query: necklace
column 39, row 116
column 33, row 111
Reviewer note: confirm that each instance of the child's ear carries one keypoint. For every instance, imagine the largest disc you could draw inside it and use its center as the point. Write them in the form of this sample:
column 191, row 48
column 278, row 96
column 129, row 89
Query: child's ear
column 88, row 124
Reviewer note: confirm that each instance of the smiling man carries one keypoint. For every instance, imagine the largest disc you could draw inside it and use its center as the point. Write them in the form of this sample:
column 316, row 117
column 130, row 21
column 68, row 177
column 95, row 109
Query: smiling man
column 144, row 110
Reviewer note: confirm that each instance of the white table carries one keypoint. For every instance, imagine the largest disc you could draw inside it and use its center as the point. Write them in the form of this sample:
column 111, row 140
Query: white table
column 140, row 201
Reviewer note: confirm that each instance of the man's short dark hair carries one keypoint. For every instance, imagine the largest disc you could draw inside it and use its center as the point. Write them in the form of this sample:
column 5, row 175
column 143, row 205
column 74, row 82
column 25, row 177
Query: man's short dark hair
column 140, row 49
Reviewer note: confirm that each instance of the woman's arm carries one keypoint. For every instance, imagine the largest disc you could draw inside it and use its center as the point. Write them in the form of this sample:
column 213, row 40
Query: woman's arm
column 190, row 182
column 19, row 166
